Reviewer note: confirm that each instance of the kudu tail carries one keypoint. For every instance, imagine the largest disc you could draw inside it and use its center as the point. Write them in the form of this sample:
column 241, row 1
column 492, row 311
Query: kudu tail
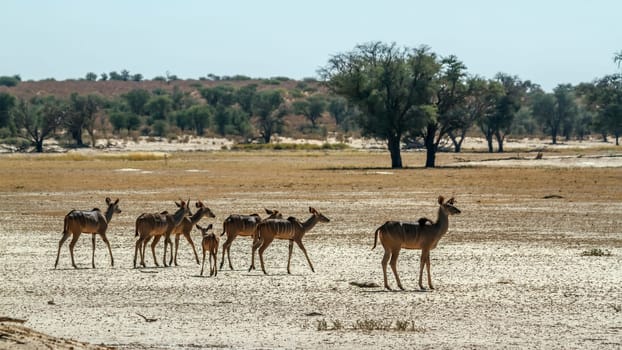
column 65, row 225
column 376, row 237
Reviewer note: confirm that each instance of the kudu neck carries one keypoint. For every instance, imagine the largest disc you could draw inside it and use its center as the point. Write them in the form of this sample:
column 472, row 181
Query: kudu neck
column 196, row 217
column 109, row 213
column 310, row 223
column 442, row 220
column 178, row 216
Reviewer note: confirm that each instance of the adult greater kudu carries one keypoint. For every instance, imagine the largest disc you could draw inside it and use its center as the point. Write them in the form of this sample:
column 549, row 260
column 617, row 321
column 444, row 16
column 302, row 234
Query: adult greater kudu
column 423, row 234
column 88, row 221
column 185, row 227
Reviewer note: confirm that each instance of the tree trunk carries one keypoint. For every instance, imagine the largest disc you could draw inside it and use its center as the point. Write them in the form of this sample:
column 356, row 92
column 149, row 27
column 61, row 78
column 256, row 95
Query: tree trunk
column 394, row 149
column 431, row 147
column 499, row 142
column 39, row 145
column 554, row 135
column 489, row 142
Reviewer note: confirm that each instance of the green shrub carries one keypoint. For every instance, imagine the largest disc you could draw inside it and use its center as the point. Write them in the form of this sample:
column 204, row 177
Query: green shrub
column 8, row 81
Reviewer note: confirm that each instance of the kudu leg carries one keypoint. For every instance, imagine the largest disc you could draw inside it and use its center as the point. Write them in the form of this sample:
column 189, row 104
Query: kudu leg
column 60, row 244
column 264, row 246
column 226, row 247
column 194, row 249
column 72, row 244
column 385, row 261
column 304, row 250
column 142, row 251
column 215, row 256
column 256, row 245
column 203, row 264
column 177, row 249
column 289, row 256
column 137, row 249
column 393, row 263
column 167, row 242
column 428, row 268
column 422, row 262
column 153, row 244
column 93, row 258
column 105, row 239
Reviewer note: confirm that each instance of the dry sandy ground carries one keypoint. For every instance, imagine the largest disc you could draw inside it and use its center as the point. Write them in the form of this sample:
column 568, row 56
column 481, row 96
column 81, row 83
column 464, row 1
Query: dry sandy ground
column 509, row 274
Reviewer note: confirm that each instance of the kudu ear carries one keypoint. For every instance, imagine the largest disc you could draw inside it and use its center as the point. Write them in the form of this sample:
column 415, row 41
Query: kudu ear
column 199, row 227
column 312, row 210
column 198, row 204
column 268, row 211
column 451, row 201
column 209, row 227
column 441, row 199
column 108, row 200
column 116, row 202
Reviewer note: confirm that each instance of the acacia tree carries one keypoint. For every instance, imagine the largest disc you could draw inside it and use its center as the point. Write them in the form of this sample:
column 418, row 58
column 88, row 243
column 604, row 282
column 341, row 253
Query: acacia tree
column 450, row 92
column 498, row 124
column 39, row 118
column 555, row 110
column 82, row 115
column 478, row 102
column 312, row 108
column 7, row 101
column 269, row 107
column 390, row 85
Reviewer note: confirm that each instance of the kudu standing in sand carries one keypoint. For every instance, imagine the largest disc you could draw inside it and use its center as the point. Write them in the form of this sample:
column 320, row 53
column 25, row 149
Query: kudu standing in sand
column 186, row 227
column 424, row 235
column 94, row 222
column 241, row 225
column 209, row 244
column 155, row 226
column 291, row 229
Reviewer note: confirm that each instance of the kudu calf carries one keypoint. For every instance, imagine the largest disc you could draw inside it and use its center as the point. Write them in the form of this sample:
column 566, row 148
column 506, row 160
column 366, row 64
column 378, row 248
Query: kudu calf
column 241, row 225
column 91, row 221
column 185, row 227
column 423, row 234
column 291, row 229
column 155, row 226
column 209, row 243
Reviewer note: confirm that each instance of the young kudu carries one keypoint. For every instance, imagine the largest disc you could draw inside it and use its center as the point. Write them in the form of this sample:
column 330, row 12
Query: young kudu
column 291, row 229
column 209, row 244
column 186, row 227
column 155, row 226
column 92, row 221
column 241, row 225
column 424, row 235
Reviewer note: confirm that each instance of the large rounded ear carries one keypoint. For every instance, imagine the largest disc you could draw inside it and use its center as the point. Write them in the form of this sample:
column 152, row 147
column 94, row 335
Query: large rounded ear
column 312, row 210
column 451, row 201
column 441, row 199
column 198, row 204
column 116, row 202
column 199, row 227
column 268, row 211
column 108, row 200
column 179, row 204
column 209, row 227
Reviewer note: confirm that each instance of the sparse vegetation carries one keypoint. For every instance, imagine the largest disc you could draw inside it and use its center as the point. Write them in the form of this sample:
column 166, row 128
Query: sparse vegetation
column 369, row 325
column 596, row 252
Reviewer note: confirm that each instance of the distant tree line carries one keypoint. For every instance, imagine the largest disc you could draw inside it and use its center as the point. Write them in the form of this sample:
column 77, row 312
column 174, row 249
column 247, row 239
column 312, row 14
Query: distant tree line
column 405, row 96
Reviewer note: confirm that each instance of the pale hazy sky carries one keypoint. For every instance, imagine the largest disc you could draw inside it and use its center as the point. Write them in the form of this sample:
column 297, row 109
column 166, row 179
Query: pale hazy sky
column 547, row 42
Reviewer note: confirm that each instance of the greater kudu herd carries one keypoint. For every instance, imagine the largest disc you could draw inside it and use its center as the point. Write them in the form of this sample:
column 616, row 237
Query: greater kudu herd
column 423, row 234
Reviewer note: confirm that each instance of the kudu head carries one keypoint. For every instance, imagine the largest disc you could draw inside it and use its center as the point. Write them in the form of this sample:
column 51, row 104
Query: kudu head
column 184, row 207
column 448, row 206
column 204, row 230
column 273, row 214
column 318, row 215
column 113, row 207
column 202, row 208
